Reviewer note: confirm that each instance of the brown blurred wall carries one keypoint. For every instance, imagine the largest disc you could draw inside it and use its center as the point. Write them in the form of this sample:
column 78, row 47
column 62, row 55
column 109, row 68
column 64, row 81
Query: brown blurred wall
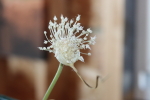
column 105, row 18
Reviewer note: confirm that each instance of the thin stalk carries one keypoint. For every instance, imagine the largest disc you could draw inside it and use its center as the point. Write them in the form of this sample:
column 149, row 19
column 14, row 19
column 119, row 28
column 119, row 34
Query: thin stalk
column 50, row 88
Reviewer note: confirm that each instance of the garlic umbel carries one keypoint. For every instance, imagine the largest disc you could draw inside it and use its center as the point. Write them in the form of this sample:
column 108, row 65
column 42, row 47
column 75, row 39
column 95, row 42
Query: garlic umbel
column 66, row 40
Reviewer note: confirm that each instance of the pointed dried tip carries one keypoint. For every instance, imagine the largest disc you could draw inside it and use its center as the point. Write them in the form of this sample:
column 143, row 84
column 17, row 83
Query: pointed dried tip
column 81, row 59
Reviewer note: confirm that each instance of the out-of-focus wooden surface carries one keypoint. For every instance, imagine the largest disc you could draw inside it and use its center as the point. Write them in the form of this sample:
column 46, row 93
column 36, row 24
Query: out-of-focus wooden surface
column 14, row 85
column 3, row 75
column 23, row 78
column 105, row 18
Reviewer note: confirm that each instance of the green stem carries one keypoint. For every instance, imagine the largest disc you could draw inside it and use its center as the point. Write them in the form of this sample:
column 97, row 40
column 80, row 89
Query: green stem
column 50, row 88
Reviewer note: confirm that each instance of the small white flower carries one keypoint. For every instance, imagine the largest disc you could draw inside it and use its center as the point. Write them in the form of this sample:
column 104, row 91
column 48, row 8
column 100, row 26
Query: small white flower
column 48, row 47
column 62, row 18
column 44, row 48
column 45, row 32
column 45, row 42
column 89, row 54
column 78, row 18
column 41, row 48
column 89, row 30
column 66, row 40
column 87, row 46
column 55, row 18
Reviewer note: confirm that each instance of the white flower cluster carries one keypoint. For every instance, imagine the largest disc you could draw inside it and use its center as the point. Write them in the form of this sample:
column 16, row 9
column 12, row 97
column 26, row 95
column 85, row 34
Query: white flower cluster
column 66, row 39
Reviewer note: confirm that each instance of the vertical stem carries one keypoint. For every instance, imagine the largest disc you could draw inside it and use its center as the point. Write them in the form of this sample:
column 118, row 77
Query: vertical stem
column 50, row 88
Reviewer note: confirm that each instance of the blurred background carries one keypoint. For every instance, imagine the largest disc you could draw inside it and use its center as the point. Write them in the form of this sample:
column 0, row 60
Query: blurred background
column 121, row 55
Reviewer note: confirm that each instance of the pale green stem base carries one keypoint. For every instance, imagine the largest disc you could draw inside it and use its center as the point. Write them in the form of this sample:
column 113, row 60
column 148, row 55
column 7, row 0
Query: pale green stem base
column 50, row 88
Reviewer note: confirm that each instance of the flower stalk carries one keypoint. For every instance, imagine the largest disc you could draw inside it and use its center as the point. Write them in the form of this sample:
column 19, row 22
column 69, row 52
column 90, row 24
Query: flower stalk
column 50, row 88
